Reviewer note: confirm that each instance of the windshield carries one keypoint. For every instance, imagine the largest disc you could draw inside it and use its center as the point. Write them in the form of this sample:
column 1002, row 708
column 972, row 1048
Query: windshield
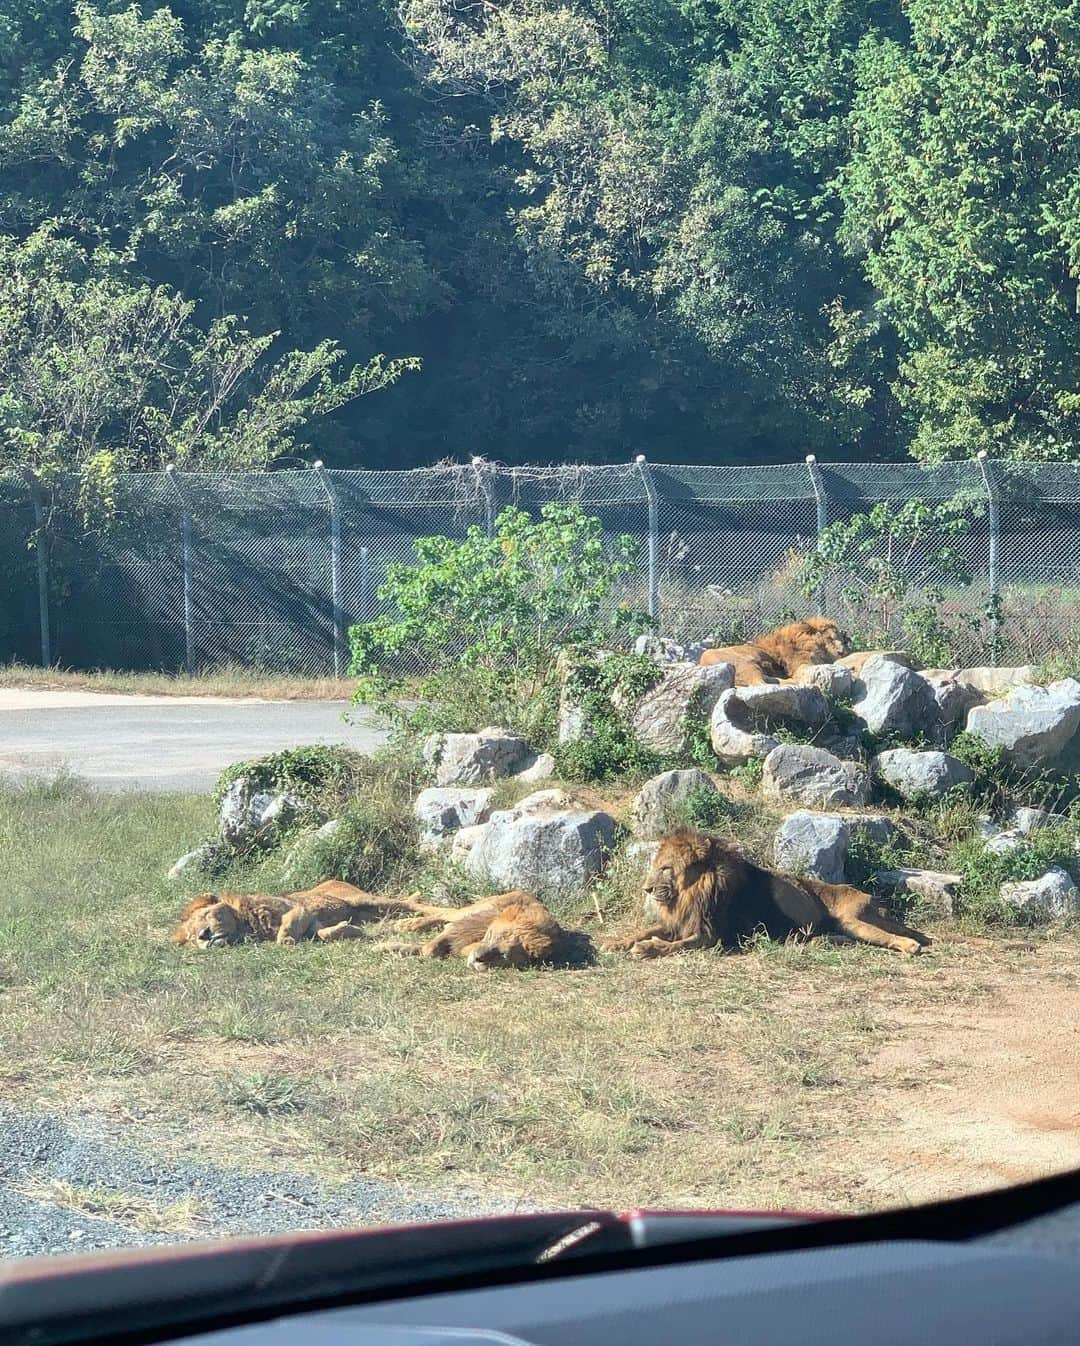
column 540, row 633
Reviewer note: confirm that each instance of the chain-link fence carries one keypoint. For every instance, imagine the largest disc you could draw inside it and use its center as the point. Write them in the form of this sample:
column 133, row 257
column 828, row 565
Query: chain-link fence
column 269, row 570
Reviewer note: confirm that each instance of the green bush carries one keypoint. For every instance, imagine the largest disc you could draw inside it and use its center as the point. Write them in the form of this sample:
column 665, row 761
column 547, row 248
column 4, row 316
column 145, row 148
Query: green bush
column 607, row 691
column 484, row 622
column 983, row 872
column 321, row 775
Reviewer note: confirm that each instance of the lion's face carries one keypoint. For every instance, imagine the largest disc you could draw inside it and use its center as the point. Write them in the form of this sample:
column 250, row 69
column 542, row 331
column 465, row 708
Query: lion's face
column 210, row 924
column 826, row 642
column 681, row 859
column 514, row 940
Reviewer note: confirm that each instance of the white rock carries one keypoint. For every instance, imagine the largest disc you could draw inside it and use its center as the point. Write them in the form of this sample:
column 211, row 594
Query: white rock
column 892, row 698
column 639, row 855
column 546, row 801
column 1032, row 724
column 439, row 812
column 857, row 662
column 1053, row 897
column 660, row 799
column 953, row 696
column 541, row 766
column 475, row 759
column 247, row 815
column 812, row 843
column 744, row 718
column 732, row 744
column 462, row 841
column 814, row 777
column 663, row 718
column 1004, row 840
column 831, row 679
column 1031, row 820
column 935, row 889
column 911, row 772
column 994, row 681
column 661, row 649
column 546, row 854
column 199, row 861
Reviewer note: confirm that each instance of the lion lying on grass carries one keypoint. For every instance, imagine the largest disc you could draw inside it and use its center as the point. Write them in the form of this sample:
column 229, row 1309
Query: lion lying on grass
column 701, row 892
column 779, row 653
column 509, row 930
column 330, row 911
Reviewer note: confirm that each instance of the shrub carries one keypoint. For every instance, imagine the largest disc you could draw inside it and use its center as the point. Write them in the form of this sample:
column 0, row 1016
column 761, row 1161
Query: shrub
column 607, row 690
column 983, row 872
column 484, row 621
column 323, row 776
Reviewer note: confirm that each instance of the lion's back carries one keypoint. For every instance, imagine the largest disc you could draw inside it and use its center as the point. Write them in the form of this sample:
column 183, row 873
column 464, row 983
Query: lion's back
column 815, row 641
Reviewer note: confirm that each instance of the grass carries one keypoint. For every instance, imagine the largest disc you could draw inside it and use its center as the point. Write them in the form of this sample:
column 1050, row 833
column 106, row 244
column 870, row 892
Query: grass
column 701, row 1080
column 104, row 1203
column 227, row 680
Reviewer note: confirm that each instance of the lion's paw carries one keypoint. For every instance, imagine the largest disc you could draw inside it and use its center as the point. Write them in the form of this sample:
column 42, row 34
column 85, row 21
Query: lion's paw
column 647, row 948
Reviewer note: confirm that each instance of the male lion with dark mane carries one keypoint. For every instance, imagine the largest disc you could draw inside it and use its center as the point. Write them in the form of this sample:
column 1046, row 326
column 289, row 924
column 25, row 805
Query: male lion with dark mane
column 332, row 910
column 509, row 930
column 701, row 892
column 780, row 653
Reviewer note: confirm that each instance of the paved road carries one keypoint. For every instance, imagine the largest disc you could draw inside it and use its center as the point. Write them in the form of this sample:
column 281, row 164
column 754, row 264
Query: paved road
column 160, row 743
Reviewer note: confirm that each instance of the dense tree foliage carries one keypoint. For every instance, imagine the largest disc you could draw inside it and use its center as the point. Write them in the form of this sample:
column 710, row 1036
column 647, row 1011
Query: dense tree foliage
column 537, row 229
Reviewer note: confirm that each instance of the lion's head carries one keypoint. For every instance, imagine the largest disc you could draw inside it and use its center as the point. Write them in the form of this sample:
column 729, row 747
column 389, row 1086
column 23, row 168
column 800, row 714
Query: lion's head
column 690, row 871
column 208, row 923
column 818, row 640
column 519, row 936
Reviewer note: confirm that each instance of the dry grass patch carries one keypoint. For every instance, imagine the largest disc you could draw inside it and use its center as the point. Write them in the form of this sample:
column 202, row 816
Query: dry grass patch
column 125, row 1208
column 231, row 680
column 762, row 1079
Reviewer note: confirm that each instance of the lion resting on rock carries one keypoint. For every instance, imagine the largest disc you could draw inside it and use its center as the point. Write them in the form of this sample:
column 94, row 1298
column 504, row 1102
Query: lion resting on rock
column 509, row 930
column 330, row 911
column 780, row 653
column 701, row 892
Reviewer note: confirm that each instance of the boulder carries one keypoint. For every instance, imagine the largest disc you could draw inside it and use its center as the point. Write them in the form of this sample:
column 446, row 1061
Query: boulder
column 639, row 855
column 935, row 890
column 910, row 772
column 661, row 649
column 660, row 799
column 1031, row 820
column 539, row 766
column 892, row 698
column 744, row 718
column 475, row 759
column 301, row 851
column 1032, row 724
column 546, row 801
column 814, row 778
column 953, row 697
column 248, row 815
column 663, row 718
column 202, row 860
column 572, row 725
column 833, row 680
column 857, row 661
column 812, row 843
column 462, row 841
column 1003, row 841
column 989, row 682
column 545, row 854
column 1053, row 897
column 439, row 812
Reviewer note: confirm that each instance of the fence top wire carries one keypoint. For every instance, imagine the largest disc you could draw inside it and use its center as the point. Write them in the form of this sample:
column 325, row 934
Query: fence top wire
column 465, row 490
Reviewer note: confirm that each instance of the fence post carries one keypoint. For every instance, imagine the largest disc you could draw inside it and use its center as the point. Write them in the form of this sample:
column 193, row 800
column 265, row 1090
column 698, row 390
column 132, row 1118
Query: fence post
column 822, row 502
column 994, row 580
column 654, row 540
column 42, row 566
column 335, row 568
column 484, row 472
column 185, row 542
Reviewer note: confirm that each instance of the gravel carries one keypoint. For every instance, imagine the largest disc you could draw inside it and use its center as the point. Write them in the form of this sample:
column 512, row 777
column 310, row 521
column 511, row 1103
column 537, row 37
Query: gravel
column 40, row 1149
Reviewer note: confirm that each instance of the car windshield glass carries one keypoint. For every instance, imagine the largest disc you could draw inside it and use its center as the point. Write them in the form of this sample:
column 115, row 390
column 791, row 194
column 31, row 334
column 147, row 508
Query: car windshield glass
column 539, row 612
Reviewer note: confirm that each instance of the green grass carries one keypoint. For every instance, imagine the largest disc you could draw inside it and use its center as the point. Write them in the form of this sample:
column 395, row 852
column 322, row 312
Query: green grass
column 700, row 1080
column 228, row 680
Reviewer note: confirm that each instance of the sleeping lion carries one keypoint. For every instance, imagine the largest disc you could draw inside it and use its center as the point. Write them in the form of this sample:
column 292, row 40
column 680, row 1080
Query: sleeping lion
column 780, row 653
column 509, row 930
column 331, row 910
column 701, row 892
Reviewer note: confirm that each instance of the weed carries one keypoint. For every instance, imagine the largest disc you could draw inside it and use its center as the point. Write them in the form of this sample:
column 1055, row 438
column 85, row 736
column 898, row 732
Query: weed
column 867, row 856
column 127, row 1208
column 984, row 871
column 266, row 1095
column 606, row 692
column 750, row 773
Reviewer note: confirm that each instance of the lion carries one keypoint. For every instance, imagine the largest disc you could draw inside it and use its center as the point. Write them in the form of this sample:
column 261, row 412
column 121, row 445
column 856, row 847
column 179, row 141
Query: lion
column 509, row 930
column 332, row 910
column 701, row 892
column 781, row 653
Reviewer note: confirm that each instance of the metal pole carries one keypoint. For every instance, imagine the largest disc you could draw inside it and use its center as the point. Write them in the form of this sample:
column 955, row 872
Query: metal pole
column 484, row 473
column 335, row 570
column 42, row 567
column 654, row 540
column 994, row 521
column 822, row 502
column 185, row 541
